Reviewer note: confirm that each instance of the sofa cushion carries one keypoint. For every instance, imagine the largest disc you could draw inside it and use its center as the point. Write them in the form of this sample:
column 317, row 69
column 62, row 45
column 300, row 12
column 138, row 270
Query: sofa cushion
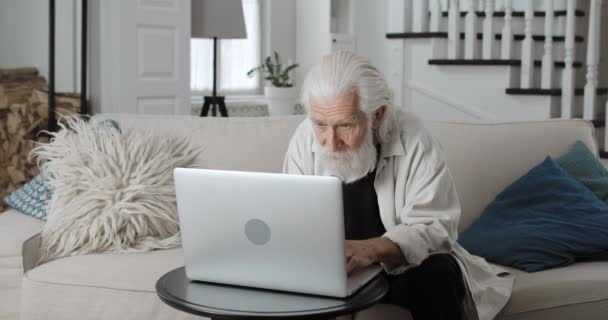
column 581, row 163
column 133, row 271
column 545, row 219
column 32, row 198
column 558, row 290
column 15, row 228
column 93, row 275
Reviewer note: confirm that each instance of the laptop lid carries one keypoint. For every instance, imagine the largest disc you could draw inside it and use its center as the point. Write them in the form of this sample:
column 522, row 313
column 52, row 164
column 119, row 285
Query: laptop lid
column 273, row 231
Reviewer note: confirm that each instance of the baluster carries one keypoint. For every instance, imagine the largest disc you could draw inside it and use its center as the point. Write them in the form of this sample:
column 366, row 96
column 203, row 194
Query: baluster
column 421, row 15
column 454, row 30
column 593, row 54
column 547, row 67
column 470, row 32
column 568, row 74
column 435, row 15
column 507, row 32
column 606, row 131
column 527, row 50
column 488, row 30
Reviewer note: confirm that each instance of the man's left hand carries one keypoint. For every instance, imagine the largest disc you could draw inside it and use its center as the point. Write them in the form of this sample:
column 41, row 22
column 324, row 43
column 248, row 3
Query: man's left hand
column 362, row 253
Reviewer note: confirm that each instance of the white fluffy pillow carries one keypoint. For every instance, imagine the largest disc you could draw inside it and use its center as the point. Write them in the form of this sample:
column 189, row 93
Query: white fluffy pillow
column 111, row 191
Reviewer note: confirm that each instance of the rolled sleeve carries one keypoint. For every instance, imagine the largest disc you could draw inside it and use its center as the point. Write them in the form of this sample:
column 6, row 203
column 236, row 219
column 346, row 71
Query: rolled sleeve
column 428, row 220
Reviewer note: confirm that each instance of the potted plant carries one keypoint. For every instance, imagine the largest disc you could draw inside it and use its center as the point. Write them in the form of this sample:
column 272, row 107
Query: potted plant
column 281, row 94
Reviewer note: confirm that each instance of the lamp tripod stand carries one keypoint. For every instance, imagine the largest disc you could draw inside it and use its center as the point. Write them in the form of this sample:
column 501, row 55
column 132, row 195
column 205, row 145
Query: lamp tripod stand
column 214, row 101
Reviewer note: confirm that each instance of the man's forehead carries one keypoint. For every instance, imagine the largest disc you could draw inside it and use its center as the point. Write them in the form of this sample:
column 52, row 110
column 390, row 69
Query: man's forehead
column 342, row 106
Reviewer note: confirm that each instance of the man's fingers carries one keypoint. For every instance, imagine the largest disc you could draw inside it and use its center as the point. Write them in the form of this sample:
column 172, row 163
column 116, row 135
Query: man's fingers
column 351, row 264
column 348, row 250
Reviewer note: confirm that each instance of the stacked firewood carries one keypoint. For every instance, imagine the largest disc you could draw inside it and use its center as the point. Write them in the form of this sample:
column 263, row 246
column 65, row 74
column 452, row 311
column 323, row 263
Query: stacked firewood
column 23, row 113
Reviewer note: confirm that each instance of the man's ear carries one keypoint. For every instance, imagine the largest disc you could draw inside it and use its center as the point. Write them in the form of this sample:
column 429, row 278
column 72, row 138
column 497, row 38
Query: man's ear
column 378, row 116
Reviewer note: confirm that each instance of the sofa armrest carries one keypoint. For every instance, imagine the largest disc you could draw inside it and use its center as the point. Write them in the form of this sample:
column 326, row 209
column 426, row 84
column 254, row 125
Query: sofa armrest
column 30, row 252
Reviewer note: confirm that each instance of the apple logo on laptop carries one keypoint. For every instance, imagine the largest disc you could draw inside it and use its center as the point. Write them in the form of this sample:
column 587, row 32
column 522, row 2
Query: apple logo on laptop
column 257, row 231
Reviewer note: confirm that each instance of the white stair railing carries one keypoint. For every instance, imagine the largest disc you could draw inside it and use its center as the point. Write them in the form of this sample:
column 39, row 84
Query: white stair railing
column 454, row 29
column 426, row 15
column 507, row 31
column 470, row 37
column 527, row 50
column 435, row 15
column 593, row 55
column 568, row 73
column 547, row 64
column 488, row 30
column 420, row 16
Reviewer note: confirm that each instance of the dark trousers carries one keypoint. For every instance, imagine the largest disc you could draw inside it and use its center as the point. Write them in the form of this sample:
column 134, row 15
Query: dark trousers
column 432, row 291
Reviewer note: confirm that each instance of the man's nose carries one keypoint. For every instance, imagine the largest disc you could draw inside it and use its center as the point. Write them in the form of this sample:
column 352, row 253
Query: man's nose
column 331, row 141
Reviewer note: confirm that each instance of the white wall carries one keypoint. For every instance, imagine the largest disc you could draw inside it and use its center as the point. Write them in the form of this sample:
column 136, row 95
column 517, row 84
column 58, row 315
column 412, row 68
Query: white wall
column 370, row 32
column 24, row 26
column 279, row 28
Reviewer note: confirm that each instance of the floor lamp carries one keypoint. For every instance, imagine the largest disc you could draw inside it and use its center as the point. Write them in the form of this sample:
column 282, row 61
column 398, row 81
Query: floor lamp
column 217, row 20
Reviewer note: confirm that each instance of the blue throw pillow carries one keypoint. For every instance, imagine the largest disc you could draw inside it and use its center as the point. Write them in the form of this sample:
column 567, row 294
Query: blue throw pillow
column 545, row 219
column 581, row 163
column 33, row 197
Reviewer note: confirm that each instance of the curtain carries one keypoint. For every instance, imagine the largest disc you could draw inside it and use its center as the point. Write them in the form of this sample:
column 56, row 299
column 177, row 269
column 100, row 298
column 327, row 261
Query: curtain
column 235, row 57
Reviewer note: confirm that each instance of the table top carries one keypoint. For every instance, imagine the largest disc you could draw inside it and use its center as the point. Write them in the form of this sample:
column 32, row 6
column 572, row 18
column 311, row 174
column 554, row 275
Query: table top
column 232, row 302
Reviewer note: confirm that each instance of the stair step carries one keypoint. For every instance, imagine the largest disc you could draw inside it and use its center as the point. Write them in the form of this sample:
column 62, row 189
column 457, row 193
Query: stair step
column 535, row 37
column 599, row 123
column 416, row 35
column 519, row 14
column 496, row 62
column 497, row 36
column 551, row 92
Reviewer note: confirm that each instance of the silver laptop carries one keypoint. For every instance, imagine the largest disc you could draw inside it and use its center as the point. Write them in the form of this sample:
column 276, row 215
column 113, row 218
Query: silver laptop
column 264, row 230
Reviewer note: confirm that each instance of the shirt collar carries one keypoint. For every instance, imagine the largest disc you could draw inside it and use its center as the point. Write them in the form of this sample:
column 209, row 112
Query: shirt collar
column 394, row 146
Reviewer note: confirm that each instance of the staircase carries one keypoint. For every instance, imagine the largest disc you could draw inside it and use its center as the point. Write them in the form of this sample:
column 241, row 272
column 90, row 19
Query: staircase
column 486, row 60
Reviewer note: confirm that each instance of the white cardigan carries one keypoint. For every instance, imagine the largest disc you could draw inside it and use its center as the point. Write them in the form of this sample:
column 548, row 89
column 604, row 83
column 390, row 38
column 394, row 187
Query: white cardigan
column 419, row 206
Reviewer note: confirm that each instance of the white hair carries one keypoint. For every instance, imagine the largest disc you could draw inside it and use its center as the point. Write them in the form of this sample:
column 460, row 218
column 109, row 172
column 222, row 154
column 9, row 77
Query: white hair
column 344, row 71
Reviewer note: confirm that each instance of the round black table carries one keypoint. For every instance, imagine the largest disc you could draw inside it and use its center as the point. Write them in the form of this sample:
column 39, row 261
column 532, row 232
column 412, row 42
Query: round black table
column 231, row 302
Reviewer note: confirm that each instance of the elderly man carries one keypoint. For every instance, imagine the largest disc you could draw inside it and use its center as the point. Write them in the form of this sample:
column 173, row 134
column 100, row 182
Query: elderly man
column 401, row 209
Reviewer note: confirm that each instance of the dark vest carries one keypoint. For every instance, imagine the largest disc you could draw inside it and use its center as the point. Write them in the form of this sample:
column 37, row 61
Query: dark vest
column 361, row 211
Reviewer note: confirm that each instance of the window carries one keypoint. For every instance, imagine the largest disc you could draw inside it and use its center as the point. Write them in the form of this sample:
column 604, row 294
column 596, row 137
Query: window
column 234, row 58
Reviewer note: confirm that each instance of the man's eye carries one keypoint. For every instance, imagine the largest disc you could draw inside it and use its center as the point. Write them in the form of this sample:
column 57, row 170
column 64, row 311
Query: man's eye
column 346, row 125
column 320, row 124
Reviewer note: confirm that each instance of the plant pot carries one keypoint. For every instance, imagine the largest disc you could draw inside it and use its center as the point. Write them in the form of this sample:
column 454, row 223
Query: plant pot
column 281, row 101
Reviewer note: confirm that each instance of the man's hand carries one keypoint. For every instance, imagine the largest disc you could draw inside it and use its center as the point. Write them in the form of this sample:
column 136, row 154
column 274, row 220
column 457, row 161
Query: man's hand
column 362, row 253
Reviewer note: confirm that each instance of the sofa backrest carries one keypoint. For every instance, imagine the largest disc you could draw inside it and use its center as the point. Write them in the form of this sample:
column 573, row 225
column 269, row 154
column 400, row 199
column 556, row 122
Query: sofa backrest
column 483, row 157
column 247, row 144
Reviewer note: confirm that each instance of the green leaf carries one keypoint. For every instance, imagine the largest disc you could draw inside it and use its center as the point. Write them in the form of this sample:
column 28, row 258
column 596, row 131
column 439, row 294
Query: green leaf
column 251, row 72
column 291, row 67
column 270, row 67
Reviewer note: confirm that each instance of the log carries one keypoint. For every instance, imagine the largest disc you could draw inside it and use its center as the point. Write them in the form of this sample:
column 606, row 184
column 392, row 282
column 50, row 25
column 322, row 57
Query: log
column 19, row 71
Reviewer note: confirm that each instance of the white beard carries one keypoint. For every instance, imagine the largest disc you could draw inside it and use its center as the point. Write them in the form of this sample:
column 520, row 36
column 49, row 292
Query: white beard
column 350, row 165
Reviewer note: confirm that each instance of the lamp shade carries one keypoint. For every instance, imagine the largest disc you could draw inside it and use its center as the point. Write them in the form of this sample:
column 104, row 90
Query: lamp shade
column 218, row 18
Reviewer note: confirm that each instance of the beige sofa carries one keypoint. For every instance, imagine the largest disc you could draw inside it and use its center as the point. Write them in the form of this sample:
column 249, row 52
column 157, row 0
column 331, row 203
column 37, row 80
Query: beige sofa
column 483, row 158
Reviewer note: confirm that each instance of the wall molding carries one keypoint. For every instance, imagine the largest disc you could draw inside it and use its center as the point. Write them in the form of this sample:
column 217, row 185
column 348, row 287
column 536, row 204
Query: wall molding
column 449, row 102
